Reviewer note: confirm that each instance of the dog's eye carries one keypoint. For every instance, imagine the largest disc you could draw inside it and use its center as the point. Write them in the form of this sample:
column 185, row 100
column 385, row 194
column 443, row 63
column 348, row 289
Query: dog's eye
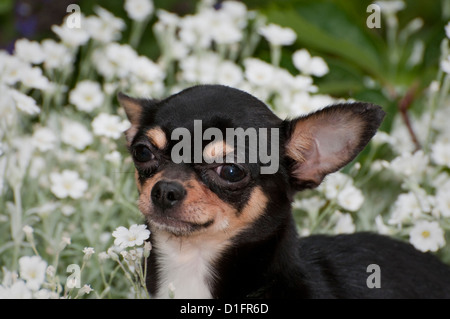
column 230, row 172
column 142, row 153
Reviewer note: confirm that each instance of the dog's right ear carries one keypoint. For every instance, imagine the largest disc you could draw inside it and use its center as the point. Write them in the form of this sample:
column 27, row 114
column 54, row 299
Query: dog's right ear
column 135, row 110
column 324, row 141
column 133, row 107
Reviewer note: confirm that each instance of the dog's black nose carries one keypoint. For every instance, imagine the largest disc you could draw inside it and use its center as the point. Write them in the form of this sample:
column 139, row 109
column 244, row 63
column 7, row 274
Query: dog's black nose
column 167, row 194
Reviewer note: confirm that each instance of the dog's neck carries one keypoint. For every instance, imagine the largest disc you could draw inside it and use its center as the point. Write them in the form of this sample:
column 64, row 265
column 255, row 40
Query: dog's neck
column 183, row 265
column 196, row 267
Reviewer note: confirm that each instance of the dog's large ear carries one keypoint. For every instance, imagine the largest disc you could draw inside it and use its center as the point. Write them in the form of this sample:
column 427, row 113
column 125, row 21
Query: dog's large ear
column 323, row 142
column 135, row 109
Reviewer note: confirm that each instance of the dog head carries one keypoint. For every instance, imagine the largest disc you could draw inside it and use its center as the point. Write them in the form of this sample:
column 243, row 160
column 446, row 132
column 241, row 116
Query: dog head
column 211, row 160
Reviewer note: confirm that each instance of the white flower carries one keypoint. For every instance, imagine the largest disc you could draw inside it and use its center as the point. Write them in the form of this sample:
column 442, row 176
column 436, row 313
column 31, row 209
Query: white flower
column 379, row 165
column 24, row 103
column 303, row 83
column 11, row 67
column 114, row 157
column 88, row 252
column 134, row 236
column 381, row 226
column 223, row 28
column 198, row 69
column 447, row 30
column 132, row 254
column 225, row 33
column 104, row 28
column 76, row 134
column 350, row 198
column 235, row 10
column 57, row 55
column 50, row 271
column 278, row 35
column 67, row 210
column 410, row 206
column 86, row 289
column 114, row 60
column 440, row 153
column 344, row 224
column 228, row 73
column 28, row 230
column 309, row 65
column 32, row 270
column 194, row 30
column 295, row 103
column 87, row 96
column 68, row 184
column 147, row 248
column 445, row 64
column 139, row 10
column 310, row 205
column 109, row 125
column 29, row 51
column 44, row 139
column 391, row 7
column 18, row 290
column 33, row 78
column 167, row 18
column 102, row 256
column 427, row 236
column 258, row 72
column 334, row 184
column 73, row 37
column 382, row 138
column 147, row 70
column 443, row 199
column 319, row 101
column 410, row 165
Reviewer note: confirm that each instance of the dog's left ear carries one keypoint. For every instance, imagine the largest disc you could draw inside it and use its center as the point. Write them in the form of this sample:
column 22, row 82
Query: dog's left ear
column 323, row 142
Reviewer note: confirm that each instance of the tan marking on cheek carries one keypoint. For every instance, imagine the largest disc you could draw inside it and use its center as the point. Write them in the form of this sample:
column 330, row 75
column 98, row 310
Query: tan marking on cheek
column 203, row 205
column 158, row 137
column 254, row 208
column 216, row 150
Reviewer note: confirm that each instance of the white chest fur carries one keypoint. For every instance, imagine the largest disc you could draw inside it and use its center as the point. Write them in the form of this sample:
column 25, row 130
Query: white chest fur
column 185, row 266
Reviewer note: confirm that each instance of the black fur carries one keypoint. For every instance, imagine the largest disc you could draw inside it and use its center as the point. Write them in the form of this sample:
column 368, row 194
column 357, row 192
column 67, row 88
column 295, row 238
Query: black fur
column 268, row 259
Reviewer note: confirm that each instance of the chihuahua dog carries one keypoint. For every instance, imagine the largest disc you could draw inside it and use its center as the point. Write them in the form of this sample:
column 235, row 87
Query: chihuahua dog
column 216, row 172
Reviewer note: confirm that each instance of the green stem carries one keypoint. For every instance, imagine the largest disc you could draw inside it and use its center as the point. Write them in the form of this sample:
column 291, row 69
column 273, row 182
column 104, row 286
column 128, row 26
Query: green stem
column 275, row 54
column 16, row 222
column 137, row 30
column 327, row 210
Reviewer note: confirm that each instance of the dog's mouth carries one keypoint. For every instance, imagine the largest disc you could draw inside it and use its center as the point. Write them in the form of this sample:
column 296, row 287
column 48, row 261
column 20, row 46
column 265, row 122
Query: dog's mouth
column 177, row 226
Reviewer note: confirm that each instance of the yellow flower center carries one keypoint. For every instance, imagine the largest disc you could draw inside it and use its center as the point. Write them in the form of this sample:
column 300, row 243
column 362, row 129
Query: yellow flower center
column 425, row 234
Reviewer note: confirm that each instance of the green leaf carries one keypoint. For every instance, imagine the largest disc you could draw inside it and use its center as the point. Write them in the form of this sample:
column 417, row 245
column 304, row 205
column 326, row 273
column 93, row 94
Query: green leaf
column 326, row 27
column 6, row 6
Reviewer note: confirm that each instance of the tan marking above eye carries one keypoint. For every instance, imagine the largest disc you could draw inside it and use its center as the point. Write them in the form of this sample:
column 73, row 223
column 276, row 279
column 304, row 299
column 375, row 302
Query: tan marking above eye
column 158, row 137
column 216, row 150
